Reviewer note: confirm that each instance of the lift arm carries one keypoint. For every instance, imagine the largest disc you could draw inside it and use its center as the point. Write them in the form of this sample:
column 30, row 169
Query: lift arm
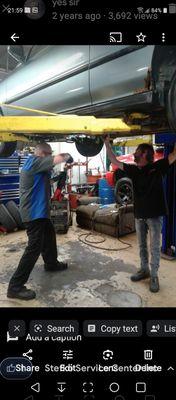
column 61, row 124
column 14, row 128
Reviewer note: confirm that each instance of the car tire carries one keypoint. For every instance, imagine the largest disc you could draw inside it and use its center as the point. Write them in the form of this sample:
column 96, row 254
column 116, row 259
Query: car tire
column 6, row 219
column 7, row 148
column 89, row 146
column 124, row 191
column 14, row 211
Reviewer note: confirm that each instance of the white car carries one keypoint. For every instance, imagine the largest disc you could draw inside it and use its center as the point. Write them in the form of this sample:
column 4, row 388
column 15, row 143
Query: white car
column 137, row 83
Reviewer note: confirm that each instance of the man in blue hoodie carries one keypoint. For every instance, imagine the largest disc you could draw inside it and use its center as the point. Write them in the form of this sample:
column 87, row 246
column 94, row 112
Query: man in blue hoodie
column 35, row 213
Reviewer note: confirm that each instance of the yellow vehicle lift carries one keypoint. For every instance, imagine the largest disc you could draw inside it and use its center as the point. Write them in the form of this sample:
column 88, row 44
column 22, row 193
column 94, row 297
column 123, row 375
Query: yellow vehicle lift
column 23, row 128
column 61, row 124
column 13, row 128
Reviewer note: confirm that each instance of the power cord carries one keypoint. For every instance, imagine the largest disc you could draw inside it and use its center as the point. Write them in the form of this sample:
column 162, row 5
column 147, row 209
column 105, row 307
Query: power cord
column 89, row 243
column 92, row 233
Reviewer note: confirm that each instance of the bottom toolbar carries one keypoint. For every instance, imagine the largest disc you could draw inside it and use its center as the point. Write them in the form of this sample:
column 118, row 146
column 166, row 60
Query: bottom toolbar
column 61, row 354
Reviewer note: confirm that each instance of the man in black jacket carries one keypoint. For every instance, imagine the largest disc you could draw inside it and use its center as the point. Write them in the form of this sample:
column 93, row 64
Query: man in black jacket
column 149, row 205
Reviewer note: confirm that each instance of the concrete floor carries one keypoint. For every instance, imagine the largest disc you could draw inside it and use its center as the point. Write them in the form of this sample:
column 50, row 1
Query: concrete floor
column 95, row 278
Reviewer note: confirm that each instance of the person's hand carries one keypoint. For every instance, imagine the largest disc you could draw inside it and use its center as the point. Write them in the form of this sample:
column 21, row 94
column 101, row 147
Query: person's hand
column 67, row 158
column 70, row 160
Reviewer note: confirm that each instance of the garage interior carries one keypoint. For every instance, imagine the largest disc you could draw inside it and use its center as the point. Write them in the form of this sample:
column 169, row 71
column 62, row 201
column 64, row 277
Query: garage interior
column 91, row 206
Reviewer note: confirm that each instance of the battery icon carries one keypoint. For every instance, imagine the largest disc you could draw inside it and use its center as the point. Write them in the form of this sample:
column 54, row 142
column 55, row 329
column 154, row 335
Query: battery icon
column 172, row 8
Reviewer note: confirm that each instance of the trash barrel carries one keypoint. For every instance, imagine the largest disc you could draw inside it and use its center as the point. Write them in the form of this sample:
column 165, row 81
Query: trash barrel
column 106, row 192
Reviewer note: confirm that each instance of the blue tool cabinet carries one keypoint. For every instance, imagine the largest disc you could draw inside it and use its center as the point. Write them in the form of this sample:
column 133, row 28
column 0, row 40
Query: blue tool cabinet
column 9, row 177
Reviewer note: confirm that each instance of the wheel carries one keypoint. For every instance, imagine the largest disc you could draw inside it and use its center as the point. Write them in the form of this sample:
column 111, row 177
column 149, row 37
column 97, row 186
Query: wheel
column 124, row 191
column 6, row 219
column 7, row 148
column 14, row 211
column 89, row 146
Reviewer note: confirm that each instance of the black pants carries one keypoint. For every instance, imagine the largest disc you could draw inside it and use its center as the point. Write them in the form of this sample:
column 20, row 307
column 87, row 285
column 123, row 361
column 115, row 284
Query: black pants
column 41, row 240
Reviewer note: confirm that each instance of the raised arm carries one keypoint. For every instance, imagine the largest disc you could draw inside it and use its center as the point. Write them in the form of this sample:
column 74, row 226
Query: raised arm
column 172, row 156
column 111, row 155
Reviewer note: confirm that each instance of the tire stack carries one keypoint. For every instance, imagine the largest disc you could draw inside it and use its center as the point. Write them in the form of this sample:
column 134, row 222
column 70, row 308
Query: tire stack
column 10, row 218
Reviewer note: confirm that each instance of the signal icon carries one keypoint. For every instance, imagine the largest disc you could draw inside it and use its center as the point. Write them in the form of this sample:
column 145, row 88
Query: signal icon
column 163, row 37
column 112, row 39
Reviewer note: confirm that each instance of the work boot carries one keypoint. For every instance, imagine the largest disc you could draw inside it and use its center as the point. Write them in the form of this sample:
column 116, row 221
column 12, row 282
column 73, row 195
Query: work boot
column 59, row 266
column 141, row 274
column 22, row 294
column 154, row 284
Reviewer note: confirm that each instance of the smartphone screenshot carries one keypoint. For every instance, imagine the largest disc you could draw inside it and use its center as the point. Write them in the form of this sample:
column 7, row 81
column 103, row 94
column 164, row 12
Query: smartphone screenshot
column 87, row 200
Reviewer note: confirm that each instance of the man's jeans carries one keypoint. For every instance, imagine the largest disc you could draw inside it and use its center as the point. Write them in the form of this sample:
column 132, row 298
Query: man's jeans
column 153, row 225
column 41, row 240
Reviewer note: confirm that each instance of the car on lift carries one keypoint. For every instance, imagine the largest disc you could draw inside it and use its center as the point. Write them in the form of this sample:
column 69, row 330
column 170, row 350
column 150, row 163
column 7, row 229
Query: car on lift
column 135, row 83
